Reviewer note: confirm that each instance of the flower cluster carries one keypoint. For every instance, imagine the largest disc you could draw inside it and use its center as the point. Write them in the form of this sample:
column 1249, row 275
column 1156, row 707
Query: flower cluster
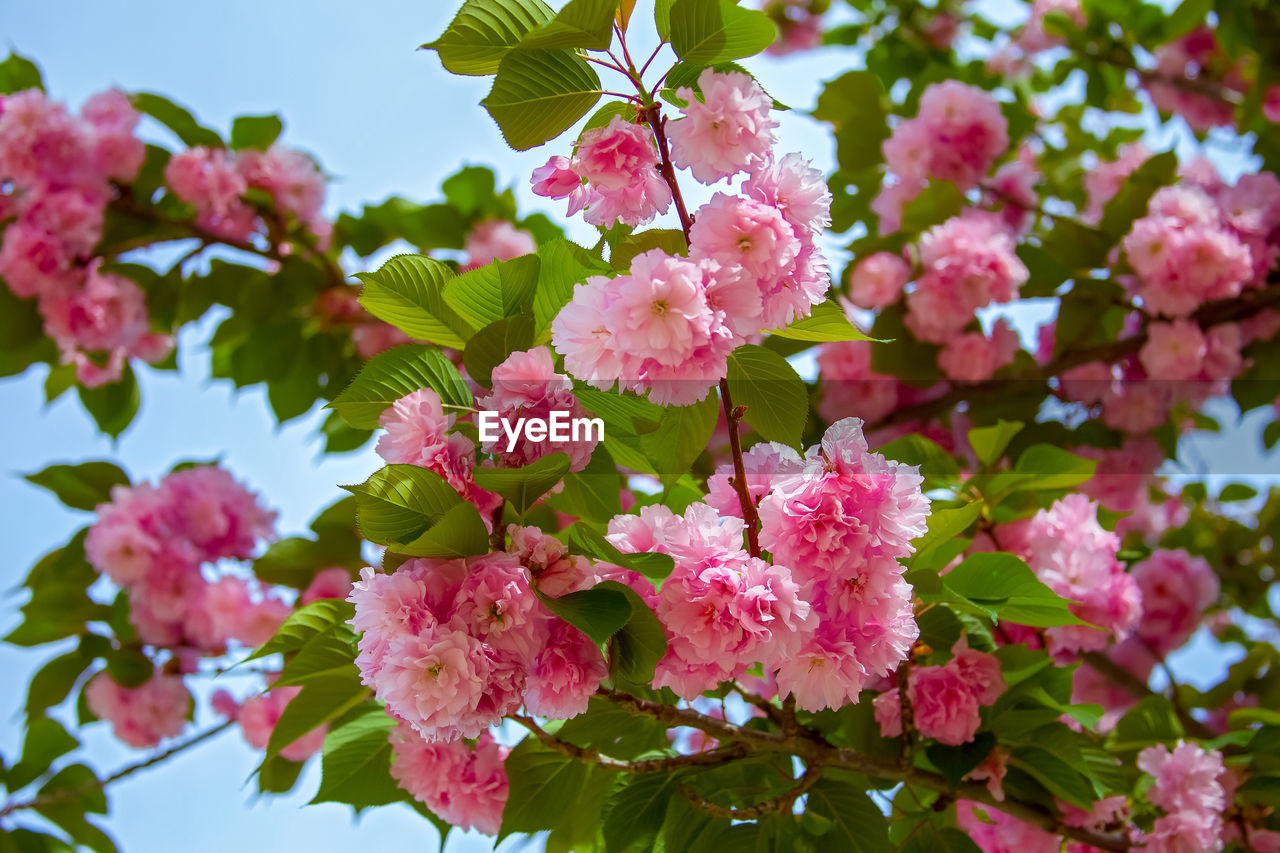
column 140, row 716
column 1186, row 786
column 418, row 432
column 668, row 326
column 153, row 540
column 56, row 178
column 454, row 646
column 1076, row 558
column 496, row 240
column 1176, row 588
column 957, row 135
column 945, row 700
column 259, row 714
column 214, row 181
column 462, row 784
column 526, row 385
column 839, row 519
column 1196, row 58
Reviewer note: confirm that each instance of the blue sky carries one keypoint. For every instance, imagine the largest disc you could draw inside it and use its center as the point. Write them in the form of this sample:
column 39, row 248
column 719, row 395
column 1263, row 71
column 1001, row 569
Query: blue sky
column 382, row 118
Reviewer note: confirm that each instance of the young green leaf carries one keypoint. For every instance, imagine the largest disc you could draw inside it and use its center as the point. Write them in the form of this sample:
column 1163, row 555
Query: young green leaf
column 496, row 290
column 394, row 374
column 257, row 132
column 493, row 344
column 406, row 292
column 708, row 32
column 827, row 323
column 523, row 486
column 773, row 393
column 82, row 486
column 539, row 94
column 581, row 23
column 416, row 512
column 484, row 31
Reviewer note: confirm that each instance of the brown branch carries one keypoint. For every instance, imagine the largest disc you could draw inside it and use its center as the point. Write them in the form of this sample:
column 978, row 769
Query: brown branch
column 813, row 749
column 1208, row 315
column 65, row 794
column 1140, row 689
column 903, row 678
column 775, row 805
column 650, row 765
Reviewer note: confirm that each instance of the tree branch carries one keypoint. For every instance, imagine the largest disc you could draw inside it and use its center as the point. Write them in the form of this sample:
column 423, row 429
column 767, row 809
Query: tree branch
column 65, row 794
column 775, row 805
column 650, row 765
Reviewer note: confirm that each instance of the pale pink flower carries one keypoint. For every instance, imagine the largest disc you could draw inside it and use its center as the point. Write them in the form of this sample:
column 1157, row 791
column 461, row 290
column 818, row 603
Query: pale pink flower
column 258, row 717
column 792, row 185
column 996, row 832
column 208, row 179
column 974, row 357
column 565, row 674
column 957, row 135
column 735, row 231
column 878, row 280
column 761, row 464
column 1176, row 590
column 333, row 582
column 217, row 515
column 140, row 716
column 1174, row 350
column 464, row 786
column 729, row 130
column 294, row 180
column 850, row 388
column 620, row 163
column 496, row 240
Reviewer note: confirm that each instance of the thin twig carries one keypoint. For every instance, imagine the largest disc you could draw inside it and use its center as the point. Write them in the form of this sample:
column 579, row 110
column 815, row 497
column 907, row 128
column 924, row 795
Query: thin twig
column 776, row 805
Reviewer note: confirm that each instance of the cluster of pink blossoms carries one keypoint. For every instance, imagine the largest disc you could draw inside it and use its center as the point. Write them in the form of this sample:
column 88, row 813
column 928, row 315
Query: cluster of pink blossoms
column 1196, row 58
column 1187, row 788
column 454, row 646
column 259, row 714
column 496, row 240
column 57, row 171
column 464, row 785
column 418, row 432
column 957, row 135
column 838, row 520
column 153, row 540
column 526, row 385
column 141, row 716
column 1075, row 557
column 214, row 181
column 667, row 327
column 945, row 700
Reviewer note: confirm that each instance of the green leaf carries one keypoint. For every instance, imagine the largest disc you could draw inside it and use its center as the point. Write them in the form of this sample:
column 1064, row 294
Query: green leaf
column 827, row 323
column 539, row 94
column 989, row 442
column 1237, row 492
column 18, row 73
column 355, row 767
column 113, row 406
column 710, row 31
column 640, row 643
column 598, row 613
column 278, row 775
column 660, row 440
column 406, row 292
column 523, row 486
column 937, row 202
column 20, row 323
column 1056, row 774
column 593, row 493
column 1005, row 586
column 484, row 31
column 52, row 683
column 857, row 825
column 609, row 729
column 635, row 812
column 177, row 119
column 662, row 18
column 587, row 541
column 929, row 838
column 330, row 652
column 44, row 743
column 494, row 291
column 545, row 787
column 82, row 486
column 1182, row 20
column 304, row 624
column 416, row 512
column 1052, row 467
column 774, row 394
column 853, row 104
column 1153, row 720
column 944, row 526
column 322, row 700
column 494, row 344
column 581, row 23
column 668, row 240
column 257, row 132
column 394, row 374
column 564, row 264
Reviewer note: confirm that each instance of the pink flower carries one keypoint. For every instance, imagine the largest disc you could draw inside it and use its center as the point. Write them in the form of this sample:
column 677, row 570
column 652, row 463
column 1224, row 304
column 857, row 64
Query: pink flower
column 565, row 674
column 992, row 770
column 295, row 182
column 845, row 508
column 218, row 516
column 496, row 240
column 118, row 152
column 1187, row 787
column 979, row 671
column 258, row 717
column 943, row 706
column 328, row 583
column 1105, row 179
column 558, row 180
column 1176, row 590
column 973, row 357
column 762, row 464
column 996, row 832
column 1075, row 557
column 41, row 145
column 526, row 385
column 878, row 280
column 850, row 388
column 662, row 314
column 1271, row 103
column 957, row 135
column 726, row 132
column 825, row 673
column 734, row 231
column 464, row 786
column 797, row 189
column 582, row 335
column 968, row 262
column 620, row 163
column 207, row 179
column 141, row 716
column 1173, row 350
